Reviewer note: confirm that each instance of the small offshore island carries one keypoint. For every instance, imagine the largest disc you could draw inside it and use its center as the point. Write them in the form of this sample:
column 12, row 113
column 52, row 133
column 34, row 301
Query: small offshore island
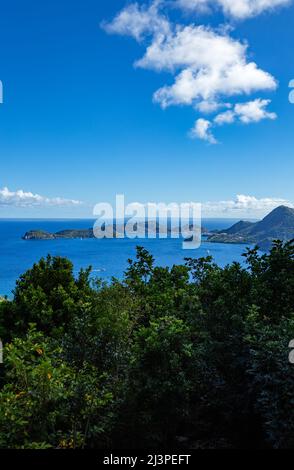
column 278, row 225
column 142, row 228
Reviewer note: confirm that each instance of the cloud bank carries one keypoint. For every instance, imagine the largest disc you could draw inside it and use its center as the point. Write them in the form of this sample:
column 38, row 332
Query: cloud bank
column 210, row 68
column 21, row 198
column 243, row 206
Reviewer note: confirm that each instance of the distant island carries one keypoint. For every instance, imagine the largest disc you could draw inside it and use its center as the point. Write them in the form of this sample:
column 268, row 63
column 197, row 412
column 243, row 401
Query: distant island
column 142, row 228
column 278, row 225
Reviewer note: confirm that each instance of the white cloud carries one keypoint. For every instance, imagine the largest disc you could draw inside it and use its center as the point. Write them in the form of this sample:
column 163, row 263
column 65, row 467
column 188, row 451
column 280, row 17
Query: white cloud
column 202, row 130
column 254, row 111
column 138, row 21
column 228, row 117
column 194, row 5
column 247, row 113
column 183, row 51
column 208, row 66
column 250, row 112
column 199, row 75
column 243, row 206
column 207, row 107
column 21, row 198
column 239, row 9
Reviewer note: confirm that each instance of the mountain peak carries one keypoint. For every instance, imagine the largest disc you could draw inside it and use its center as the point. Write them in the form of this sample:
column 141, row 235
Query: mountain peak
column 279, row 224
column 281, row 215
column 282, row 210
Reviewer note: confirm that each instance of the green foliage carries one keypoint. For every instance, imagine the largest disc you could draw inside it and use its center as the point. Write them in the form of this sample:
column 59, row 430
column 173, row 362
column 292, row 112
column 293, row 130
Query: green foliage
column 47, row 295
column 195, row 355
column 45, row 402
column 161, row 380
column 272, row 376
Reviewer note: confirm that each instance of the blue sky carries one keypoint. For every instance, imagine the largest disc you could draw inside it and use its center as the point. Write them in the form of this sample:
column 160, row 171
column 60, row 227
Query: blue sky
column 78, row 122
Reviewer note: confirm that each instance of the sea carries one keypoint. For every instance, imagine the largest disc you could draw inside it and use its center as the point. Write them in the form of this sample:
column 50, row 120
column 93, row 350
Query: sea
column 108, row 257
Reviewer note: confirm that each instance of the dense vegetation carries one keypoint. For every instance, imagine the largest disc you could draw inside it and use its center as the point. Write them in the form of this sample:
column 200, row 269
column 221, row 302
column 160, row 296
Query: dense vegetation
column 193, row 356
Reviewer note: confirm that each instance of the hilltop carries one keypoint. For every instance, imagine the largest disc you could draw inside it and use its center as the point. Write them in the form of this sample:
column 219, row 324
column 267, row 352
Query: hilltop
column 279, row 224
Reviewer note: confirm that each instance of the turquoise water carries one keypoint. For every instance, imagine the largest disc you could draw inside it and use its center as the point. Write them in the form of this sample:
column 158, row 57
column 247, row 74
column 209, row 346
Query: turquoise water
column 107, row 257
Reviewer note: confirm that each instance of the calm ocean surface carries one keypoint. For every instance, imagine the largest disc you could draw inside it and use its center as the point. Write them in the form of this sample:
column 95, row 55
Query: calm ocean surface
column 107, row 257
